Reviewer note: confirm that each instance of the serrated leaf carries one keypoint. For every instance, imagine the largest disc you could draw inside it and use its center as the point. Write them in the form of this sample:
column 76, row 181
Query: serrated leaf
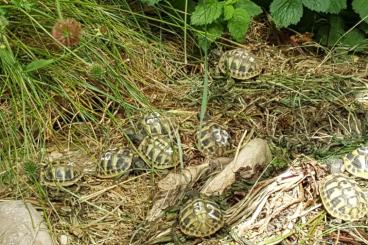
column 230, row 2
column 336, row 6
column 206, row 12
column 252, row 8
column 317, row 5
column 228, row 12
column 361, row 7
column 286, row 12
column 38, row 64
column 214, row 31
column 239, row 24
column 150, row 2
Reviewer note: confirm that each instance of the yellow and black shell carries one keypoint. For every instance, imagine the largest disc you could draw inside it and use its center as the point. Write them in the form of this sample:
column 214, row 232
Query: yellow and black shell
column 239, row 64
column 200, row 217
column 155, row 124
column 212, row 139
column 115, row 163
column 356, row 162
column 60, row 175
column 159, row 151
column 343, row 198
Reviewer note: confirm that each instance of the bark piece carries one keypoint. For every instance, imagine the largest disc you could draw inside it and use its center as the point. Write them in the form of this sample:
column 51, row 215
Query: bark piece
column 253, row 156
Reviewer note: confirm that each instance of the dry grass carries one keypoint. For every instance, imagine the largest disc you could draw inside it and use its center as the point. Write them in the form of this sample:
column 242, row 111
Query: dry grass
column 301, row 103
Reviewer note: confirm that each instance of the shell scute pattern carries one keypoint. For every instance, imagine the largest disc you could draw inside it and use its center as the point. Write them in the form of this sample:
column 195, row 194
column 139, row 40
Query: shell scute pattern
column 115, row 163
column 60, row 175
column 155, row 124
column 160, row 152
column 200, row 218
column 343, row 198
column 213, row 140
column 356, row 162
column 239, row 64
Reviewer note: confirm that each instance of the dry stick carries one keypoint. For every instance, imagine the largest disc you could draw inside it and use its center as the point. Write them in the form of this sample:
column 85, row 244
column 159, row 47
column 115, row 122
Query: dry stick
column 239, row 145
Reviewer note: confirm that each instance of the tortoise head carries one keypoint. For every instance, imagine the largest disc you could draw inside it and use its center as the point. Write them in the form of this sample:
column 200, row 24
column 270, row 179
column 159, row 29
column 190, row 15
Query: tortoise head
column 136, row 136
column 335, row 165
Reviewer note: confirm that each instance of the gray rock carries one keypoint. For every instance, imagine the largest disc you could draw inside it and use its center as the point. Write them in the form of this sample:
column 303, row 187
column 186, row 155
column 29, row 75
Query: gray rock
column 21, row 224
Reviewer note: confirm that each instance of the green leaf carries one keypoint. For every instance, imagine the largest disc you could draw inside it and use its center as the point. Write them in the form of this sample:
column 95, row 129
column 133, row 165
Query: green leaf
column 355, row 39
column 330, row 34
column 228, row 12
column 337, row 29
column 336, row 6
column 23, row 4
column 38, row 64
column 252, row 8
column 364, row 27
column 150, row 2
column 2, row 11
column 239, row 24
column 207, row 12
column 214, row 31
column 361, row 7
column 286, row 12
column 317, row 5
column 231, row 2
column 3, row 24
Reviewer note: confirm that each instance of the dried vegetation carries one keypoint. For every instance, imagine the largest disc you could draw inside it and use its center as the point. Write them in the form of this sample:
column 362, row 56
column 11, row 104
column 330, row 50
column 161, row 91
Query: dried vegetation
column 303, row 102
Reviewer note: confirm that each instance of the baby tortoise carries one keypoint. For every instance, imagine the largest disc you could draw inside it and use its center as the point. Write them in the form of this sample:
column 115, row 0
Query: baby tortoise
column 343, row 198
column 239, row 64
column 212, row 139
column 155, row 124
column 159, row 151
column 155, row 141
column 115, row 163
column 356, row 162
column 341, row 195
column 200, row 217
column 60, row 175
column 151, row 124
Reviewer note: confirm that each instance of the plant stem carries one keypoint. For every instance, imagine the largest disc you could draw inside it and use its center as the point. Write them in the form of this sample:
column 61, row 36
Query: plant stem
column 58, row 9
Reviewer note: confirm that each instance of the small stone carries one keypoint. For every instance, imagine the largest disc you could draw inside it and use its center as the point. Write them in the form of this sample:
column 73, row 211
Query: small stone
column 63, row 239
column 21, row 224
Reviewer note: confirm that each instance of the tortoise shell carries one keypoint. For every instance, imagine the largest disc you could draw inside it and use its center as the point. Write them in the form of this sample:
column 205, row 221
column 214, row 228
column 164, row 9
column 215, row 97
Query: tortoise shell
column 356, row 162
column 60, row 175
column 343, row 198
column 239, row 64
column 212, row 139
column 361, row 98
column 155, row 124
column 160, row 152
column 200, row 217
column 114, row 163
